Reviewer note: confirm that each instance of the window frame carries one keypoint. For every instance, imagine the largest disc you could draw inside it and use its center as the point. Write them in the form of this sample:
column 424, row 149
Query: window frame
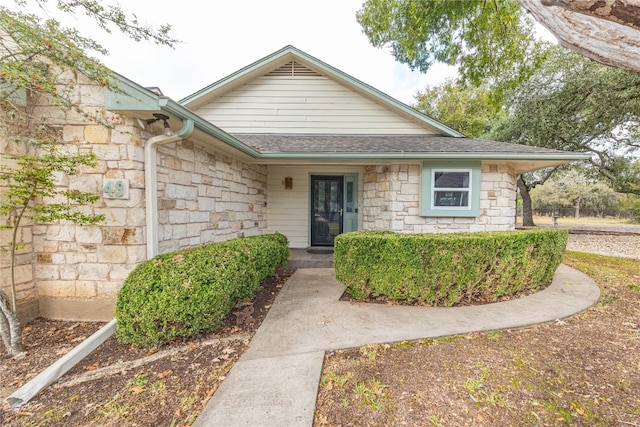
column 429, row 170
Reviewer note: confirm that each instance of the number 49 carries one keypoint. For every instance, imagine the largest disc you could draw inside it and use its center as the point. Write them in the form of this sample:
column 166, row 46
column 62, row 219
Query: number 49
column 115, row 188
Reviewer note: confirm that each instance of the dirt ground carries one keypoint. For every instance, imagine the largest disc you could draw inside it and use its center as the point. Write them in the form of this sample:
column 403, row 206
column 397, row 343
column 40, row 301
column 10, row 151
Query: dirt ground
column 584, row 371
column 121, row 385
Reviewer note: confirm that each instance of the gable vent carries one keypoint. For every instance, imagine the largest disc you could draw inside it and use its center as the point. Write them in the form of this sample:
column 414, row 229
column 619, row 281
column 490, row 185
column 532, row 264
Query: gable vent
column 293, row 69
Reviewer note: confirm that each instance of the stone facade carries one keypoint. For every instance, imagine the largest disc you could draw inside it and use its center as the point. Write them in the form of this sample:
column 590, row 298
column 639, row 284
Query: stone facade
column 26, row 292
column 79, row 269
column 68, row 271
column 204, row 196
column 74, row 272
column 392, row 201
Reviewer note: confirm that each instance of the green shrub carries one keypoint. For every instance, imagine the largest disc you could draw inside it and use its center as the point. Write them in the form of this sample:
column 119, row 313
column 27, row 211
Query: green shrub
column 183, row 293
column 447, row 269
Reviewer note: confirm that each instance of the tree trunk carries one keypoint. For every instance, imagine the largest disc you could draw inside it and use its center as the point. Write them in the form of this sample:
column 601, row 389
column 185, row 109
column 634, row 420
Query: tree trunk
column 527, row 208
column 603, row 30
column 10, row 328
column 576, row 205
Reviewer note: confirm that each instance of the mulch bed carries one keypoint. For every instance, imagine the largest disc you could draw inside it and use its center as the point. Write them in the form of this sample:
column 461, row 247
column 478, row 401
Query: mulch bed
column 170, row 390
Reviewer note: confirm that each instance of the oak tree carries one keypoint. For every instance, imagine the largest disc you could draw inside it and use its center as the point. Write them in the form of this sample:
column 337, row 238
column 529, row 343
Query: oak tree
column 491, row 42
column 607, row 31
column 467, row 109
column 574, row 104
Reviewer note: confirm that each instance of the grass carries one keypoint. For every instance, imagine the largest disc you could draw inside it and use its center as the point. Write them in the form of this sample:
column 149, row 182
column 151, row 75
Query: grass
column 372, row 393
column 567, row 221
column 608, row 272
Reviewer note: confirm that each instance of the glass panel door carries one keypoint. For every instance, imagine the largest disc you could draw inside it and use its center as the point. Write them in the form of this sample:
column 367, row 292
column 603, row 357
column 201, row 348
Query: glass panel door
column 350, row 215
column 326, row 209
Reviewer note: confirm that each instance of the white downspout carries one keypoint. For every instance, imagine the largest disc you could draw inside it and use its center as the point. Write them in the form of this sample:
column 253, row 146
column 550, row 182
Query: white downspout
column 151, row 181
column 151, row 189
column 82, row 350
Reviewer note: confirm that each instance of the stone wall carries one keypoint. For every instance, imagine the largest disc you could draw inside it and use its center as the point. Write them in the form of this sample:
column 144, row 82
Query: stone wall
column 205, row 196
column 392, row 201
column 68, row 271
column 79, row 269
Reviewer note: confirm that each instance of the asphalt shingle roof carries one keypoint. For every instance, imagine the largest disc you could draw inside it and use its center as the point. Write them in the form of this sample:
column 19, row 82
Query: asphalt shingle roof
column 312, row 143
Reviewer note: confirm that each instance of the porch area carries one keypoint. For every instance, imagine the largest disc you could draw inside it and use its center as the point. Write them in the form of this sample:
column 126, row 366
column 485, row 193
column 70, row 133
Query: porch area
column 313, row 257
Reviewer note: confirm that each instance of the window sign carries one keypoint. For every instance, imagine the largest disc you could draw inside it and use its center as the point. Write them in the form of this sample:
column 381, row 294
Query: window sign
column 451, row 198
column 451, row 189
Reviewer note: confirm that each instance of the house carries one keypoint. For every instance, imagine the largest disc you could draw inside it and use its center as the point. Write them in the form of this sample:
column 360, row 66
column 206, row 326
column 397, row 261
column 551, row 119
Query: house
column 288, row 144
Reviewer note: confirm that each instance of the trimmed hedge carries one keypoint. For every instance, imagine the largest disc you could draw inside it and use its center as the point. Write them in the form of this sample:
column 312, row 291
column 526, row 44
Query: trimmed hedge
column 183, row 293
column 447, row 269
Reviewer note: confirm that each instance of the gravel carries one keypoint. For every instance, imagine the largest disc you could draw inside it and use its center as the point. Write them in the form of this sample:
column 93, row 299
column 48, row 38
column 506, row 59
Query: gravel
column 623, row 246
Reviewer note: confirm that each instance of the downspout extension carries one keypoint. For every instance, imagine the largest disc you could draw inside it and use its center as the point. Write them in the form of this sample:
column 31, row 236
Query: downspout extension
column 61, row 366
column 151, row 182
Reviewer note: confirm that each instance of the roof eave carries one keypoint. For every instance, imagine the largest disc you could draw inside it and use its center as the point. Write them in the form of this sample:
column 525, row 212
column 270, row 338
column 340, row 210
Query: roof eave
column 132, row 97
column 565, row 157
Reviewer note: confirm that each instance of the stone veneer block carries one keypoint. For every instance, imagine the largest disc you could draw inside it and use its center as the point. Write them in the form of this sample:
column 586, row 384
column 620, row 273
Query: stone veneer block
column 97, row 134
column 23, row 273
column 56, row 288
column 85, row 289
column 77, row 309
column 115, row 254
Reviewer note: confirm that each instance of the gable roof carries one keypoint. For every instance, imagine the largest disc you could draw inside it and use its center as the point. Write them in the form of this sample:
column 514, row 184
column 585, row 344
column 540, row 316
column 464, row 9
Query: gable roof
column 367, row 148
column 135, row 100
column 292, row 59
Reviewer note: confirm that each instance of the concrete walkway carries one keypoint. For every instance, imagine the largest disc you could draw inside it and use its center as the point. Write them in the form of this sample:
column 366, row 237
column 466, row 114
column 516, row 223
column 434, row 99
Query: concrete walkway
column 275, row 382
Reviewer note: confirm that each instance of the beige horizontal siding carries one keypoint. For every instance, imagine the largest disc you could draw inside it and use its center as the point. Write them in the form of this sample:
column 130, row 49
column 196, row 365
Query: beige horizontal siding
column 288, row 210
column 275, row 104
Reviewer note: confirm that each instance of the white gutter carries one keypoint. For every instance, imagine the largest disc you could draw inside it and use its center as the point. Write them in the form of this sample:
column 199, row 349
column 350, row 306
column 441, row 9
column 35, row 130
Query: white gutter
column 82, row 350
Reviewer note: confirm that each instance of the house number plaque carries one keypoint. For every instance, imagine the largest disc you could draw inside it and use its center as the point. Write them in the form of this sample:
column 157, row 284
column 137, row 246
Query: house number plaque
column 115, row 189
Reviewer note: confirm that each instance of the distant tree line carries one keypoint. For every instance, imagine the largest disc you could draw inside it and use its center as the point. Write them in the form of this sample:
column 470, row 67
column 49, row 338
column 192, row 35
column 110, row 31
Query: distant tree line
column 572, row 193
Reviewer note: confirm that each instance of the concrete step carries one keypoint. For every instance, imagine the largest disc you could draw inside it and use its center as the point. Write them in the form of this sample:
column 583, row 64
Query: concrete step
column 310, row 258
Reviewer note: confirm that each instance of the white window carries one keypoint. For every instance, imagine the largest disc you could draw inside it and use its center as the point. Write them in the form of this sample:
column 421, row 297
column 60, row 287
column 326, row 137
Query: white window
column 451, row 189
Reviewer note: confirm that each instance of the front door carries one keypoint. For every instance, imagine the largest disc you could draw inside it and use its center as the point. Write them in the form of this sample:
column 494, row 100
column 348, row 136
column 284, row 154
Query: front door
column 326, row 209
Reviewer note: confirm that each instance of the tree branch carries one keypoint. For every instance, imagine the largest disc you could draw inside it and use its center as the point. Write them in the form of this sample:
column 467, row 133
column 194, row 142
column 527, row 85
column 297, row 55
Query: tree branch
column 591, row 35
column 624, row 12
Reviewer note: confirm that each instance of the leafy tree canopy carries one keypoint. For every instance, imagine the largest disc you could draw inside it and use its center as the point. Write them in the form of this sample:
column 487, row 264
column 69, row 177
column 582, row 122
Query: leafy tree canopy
column 33, row 50
column 573, row 189
column 465, row 109
column 490, row 41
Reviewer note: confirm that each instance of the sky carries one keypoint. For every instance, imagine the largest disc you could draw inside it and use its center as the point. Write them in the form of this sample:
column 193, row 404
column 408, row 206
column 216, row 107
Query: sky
column 221, row 36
